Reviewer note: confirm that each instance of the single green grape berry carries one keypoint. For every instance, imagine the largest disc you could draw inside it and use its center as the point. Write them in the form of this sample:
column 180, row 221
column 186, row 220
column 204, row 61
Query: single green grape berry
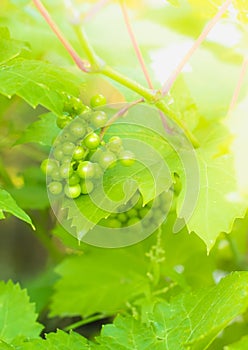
column 55, row 187
column 115, row 144
column 79, row 153
column 86, row 170
column 77, row 104
column 98, row 171
column 78, row 128
column 48, row 166
column 107, row 160
column 131, row 213
column 122, row 217
column 99, row 119
column 97, row 100
column 55, row 175
column 72, row 191
column 74, row 179
column 87, row 187
column 68, row 148
column 63, row 121
column 66, row 170
column 58, row 153
column 143, row 212
column 133, row 221
column 113, row 223
column 92, row 141
column 127, row 158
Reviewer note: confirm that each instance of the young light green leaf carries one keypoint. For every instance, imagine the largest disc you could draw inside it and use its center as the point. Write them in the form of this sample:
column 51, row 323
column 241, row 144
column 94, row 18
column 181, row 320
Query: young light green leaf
column 17, row 315
column 38, row 82
column 43, row 131
column 84, row 278
column 8, row 204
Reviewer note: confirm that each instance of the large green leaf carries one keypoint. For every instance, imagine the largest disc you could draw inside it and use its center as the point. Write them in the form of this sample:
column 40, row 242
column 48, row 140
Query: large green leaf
column 187, row 322
column 38, row 82
column 8, row 204
column 17, row 315
column 43, row 131
column 84, row 279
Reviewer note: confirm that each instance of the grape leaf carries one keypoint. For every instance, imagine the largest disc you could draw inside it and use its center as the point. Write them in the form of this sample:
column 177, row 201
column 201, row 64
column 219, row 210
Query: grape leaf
column 9, row 48
column 38, row 82
column 8, row 204
column 112, row 268
column 218, row 203
column 55, row 341
column 42, row 131
column 17, row 315
column 240, row 345
column 187, row 322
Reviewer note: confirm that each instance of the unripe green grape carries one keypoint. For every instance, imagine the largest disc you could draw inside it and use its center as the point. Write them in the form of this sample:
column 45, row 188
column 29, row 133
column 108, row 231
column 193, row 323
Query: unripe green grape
column 92, row 141
column 74, row 179
column 132, row 213
column 58, row 153
column 66, row 170
column 113, row 223
column 72, row 191
column 78, row 128
column 79, row 153
column 87, row 187
column 99, row 119
column 98, row 171
column 63, row 121
column 107, row 160
column 86, row 170
column 67, row 136
column 48, row 166
column 55, row 175
column 144, row 211
column 55, row 187
column 122, row 217
column 127, row 158
column 115, row 144
column 133, row 221
column 68, row 148
column 73, row 105
column 97, row 100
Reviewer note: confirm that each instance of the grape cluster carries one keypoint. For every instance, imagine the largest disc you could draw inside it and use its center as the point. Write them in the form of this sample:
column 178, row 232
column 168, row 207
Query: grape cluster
column 150, row 213
column 80, row 156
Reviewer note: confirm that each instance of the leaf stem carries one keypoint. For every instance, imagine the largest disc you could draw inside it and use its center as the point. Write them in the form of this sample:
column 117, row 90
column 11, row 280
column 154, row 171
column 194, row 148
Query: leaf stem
column 168, row 84
column 235, row 96
column 119, row 114
column 135, row 44
column 84, row 322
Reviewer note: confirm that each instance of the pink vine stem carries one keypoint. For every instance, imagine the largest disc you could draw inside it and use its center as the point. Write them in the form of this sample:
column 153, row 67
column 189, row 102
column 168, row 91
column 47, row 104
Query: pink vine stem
column 83, row 65
column 235, row 96
column 168, row 84
column 135, row 44
column 95, row 9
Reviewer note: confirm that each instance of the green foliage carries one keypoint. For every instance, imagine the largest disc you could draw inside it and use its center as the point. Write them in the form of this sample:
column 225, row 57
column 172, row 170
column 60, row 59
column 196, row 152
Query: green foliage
column 181, row 286
column 8, row 204
column 17, row 318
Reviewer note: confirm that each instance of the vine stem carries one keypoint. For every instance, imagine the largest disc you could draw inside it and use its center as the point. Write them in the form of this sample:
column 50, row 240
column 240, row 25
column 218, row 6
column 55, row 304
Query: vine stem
column 235, row 96
column 135, row 44
column 84, row 322
column 168, row 84
column 95, row 9
column 84, row 66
